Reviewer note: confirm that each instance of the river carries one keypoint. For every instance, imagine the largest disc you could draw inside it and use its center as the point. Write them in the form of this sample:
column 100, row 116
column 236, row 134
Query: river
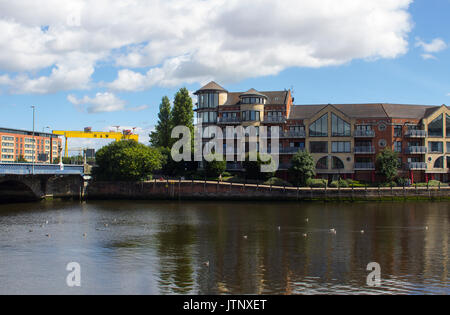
column 125, row 247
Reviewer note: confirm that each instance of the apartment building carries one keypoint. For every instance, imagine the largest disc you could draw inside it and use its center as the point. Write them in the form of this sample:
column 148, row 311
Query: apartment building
column 344, row 139
column 40, row 148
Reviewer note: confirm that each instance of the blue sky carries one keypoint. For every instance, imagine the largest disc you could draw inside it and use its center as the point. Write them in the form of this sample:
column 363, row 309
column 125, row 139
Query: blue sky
column 79, row 72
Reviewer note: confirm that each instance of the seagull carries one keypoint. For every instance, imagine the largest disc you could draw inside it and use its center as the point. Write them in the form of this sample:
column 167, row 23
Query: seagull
column 426, row 228
column 305, row 235
column 307, row 220
column 362, row 231
column 279, row 228
column 48, row 235
column 206, row 263
column 46, row 222
column 245, row 237
column 332, row 231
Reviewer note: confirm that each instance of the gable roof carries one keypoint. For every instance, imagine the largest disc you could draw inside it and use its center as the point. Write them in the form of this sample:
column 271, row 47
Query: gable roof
column 273, row 98
column 375, row 110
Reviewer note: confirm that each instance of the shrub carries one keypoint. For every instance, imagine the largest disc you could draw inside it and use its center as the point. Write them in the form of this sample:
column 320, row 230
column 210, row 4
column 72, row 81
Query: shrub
column 216, row 167
column 339, row 183
column 317, row 183
column 275, row 181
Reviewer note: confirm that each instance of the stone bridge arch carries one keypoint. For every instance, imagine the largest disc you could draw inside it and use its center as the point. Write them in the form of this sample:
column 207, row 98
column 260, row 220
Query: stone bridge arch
column 21, row 188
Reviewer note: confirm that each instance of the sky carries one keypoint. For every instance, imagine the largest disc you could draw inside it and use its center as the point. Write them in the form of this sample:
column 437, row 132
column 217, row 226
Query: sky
column 108, row 63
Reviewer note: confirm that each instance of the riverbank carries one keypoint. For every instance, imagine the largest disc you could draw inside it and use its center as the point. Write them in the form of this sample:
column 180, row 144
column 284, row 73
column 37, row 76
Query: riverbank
column 209, row 190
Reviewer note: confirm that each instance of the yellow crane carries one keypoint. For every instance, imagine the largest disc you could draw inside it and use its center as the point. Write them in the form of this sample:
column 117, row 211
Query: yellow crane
column 89, row 134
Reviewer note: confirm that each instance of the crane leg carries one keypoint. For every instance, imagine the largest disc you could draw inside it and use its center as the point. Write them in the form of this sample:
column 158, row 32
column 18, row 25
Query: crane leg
column 66, row 149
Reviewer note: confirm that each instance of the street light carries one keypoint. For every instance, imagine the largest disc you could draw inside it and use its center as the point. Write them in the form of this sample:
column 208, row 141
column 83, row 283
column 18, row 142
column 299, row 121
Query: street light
column 34, row 141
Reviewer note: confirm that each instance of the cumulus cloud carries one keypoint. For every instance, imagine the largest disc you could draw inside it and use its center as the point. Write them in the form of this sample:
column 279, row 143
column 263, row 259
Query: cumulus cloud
column 428, row 57
column 173, row 42
column 436, row 45
column 101, row 103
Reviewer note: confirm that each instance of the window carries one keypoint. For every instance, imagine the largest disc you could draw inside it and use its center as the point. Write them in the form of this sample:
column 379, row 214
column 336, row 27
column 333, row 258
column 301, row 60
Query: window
column 322, row 164
column 382, row 143
column 448, row 147
column 439, row 163
column 382, row 127
column 208, row 100
column 253, row 100
column 436, row 127
column 337, row 163
column 251, row 115
column 436, row 147
column 297, row 129
column 341, row 147
column 318, row 147
column 398, row 146
column 320, row 127
column 339, row 127
column 398, row 131
column 5, row 138
column 447, row 125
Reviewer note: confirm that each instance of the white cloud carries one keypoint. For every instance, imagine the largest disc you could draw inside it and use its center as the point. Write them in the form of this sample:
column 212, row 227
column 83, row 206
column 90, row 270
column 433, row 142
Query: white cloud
column 436, row 45
column 185, row 41
column 101, row 103
column 428, row 57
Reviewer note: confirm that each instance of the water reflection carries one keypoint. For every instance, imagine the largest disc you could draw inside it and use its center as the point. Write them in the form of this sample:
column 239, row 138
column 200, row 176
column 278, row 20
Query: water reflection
column 233, row 248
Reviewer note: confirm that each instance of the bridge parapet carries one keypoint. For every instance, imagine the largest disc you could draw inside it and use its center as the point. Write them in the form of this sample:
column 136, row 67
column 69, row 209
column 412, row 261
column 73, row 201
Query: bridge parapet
column 40, row 169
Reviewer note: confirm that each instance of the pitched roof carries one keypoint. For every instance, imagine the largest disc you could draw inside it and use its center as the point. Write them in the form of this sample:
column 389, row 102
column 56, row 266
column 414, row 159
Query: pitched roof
column 253, row 92
column 273, row 98
column 211, row 86
column 376, row 110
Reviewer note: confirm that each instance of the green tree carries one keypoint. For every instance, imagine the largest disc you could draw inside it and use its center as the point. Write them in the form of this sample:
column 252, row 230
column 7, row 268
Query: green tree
column 127, row 161
column 388, row 164
column 21, row 159
column 216, row 167
column 161, row 137
column 303, row 167
column 183, row 111
column 56, row 160
column 253, row 168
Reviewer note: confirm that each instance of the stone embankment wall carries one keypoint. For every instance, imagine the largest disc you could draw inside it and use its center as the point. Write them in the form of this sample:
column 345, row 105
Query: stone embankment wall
column 203, row 190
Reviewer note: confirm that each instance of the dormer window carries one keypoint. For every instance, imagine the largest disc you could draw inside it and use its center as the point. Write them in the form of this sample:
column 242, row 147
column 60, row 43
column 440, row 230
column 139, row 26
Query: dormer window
column 253, row 100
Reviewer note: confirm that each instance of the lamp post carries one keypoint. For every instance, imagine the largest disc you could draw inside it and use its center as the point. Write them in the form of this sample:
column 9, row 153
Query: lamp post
column 34, row 141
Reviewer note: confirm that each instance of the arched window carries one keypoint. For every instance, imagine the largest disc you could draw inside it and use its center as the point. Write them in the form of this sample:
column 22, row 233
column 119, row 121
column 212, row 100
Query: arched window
column 339, row 127
column 439, row 163
column 337, row 163
column 319, row 128
column 436, row 127
column 322, row 164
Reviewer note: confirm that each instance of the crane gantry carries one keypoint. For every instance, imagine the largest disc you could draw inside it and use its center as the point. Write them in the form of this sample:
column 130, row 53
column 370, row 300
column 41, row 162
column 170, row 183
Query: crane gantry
column 89, row 134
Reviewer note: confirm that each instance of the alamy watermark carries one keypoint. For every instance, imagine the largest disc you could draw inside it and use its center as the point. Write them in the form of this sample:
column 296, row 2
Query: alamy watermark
column 73, row 279
column 235, row 144
column 374, row 277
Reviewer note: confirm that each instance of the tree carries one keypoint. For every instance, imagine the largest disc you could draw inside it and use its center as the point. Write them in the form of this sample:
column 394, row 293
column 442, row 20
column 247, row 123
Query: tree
column 21, row 159
column 183, row 111
column 216, row 167
column 253, row 168
column 127, row 160
column 388, row 164
column 161, row 137
column 303, row 167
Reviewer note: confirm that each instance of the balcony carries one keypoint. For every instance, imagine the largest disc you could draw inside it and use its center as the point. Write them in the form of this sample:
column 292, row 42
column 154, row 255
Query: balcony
column 290, row 150
column 417, row 166
column 416, row 150
column 229, row 120
column 416, row 134
column 274, row 119
column 293, row 134
column 364, row 150
column 364, row 134
column 365, row 166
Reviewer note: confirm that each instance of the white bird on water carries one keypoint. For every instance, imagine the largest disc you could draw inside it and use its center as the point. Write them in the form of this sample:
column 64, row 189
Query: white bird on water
column 332, row 231
column 245, row 237
column 206, row 263
column 307, row 220
column 305, row 235
column 362, row 231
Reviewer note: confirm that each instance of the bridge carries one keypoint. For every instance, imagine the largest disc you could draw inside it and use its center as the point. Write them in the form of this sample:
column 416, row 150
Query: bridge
column 26, row 182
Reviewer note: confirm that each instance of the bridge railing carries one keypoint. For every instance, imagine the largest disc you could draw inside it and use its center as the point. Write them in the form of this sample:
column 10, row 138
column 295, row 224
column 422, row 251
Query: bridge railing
column 40, row 169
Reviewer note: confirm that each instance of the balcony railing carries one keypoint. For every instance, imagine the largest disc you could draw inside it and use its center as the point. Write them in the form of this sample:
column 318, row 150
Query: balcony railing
column 229, row 120
column 416, row 150
column 417, row 166
column 365, row 166
column 364, row 133
column 416, row 134
column 364, row 150
column 274, row 119
column 293, row 134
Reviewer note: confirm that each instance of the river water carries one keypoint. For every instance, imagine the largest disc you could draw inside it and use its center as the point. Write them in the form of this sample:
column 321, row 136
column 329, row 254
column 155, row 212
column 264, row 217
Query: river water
column 125, row 247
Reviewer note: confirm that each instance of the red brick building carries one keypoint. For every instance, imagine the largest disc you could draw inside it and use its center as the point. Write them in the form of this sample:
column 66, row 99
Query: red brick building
column 40, row 148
